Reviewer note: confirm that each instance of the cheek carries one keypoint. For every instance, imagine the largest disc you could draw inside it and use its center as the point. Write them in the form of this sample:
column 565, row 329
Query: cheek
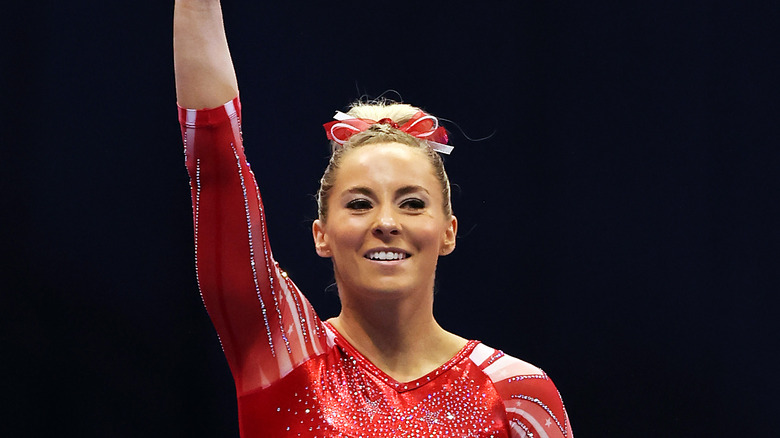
column 347, row 234
column 427, row 234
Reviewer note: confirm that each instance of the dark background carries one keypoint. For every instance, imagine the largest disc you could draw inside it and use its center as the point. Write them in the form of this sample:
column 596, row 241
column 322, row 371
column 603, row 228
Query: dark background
column 618, row 229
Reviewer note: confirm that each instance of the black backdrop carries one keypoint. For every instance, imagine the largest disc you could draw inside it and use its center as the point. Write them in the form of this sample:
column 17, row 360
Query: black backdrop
column 617, row 229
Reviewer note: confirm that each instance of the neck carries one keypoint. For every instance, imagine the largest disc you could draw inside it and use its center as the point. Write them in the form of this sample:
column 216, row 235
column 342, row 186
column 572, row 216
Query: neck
column 401, row 337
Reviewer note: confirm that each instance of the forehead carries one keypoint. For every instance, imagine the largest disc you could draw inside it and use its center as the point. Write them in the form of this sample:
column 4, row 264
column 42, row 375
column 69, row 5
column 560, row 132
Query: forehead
column 386, row 163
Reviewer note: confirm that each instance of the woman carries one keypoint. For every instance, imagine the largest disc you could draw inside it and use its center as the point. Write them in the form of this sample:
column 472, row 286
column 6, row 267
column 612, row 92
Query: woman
column 383, row 367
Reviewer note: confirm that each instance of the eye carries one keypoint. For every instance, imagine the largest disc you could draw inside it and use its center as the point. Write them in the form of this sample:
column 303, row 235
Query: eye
column 413, row 204
column 359, row 204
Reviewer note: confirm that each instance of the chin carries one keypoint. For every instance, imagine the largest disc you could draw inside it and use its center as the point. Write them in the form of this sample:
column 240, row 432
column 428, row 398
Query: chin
column 390, row 289
column 387, row 291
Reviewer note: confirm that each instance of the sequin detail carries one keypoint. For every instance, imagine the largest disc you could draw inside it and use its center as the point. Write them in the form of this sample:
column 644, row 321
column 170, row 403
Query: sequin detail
column 299, row 311
column 523, row 432
column 253, row 263
column 345, row 399
column 196, row 213
column 497, row 355
column 543, row 406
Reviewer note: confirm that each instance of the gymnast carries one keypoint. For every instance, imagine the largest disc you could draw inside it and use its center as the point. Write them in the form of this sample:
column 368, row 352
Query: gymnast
column 383, row 367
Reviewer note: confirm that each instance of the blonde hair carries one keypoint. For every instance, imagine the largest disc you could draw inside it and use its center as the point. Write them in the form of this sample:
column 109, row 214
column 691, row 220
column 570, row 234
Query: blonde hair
column 399, row 113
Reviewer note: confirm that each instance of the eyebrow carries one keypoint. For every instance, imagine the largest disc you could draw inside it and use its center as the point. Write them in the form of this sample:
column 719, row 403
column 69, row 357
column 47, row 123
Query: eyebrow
column 405, row 190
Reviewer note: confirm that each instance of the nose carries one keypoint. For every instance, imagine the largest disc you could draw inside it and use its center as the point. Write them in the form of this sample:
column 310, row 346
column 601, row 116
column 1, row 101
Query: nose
column 386, row 225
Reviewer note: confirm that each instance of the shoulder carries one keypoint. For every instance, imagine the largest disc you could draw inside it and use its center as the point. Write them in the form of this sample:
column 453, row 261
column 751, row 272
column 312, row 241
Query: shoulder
column 531, row 400
column 499, row 366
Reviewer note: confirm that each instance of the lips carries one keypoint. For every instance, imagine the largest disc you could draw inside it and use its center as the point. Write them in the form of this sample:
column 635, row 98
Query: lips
column 387, row 255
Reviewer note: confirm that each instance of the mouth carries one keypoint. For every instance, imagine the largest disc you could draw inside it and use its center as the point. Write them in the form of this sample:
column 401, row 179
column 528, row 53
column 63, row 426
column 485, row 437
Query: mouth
column 387, row 255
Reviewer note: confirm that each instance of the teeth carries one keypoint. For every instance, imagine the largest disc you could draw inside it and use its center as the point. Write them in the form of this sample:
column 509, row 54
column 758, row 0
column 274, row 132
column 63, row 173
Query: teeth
column 386, row 255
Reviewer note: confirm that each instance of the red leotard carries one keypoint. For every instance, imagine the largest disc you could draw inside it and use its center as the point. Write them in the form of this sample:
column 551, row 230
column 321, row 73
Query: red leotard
column 294, row 374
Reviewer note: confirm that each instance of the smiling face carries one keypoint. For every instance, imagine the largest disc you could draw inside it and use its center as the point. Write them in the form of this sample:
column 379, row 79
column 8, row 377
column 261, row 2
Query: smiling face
column 386, row 226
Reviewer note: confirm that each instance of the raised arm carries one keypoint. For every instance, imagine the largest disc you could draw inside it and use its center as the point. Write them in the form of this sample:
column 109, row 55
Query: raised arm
column 205, row 77
column 265, row 325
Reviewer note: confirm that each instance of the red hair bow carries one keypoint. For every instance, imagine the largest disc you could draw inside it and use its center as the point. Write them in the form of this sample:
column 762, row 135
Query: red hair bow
column 421, row 125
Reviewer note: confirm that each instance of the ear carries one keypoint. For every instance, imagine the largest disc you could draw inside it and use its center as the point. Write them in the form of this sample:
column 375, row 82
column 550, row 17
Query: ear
column 448, row 238
column 320, row 244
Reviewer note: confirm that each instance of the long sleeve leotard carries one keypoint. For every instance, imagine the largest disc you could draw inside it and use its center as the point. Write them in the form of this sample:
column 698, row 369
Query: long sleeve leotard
column 294, row 374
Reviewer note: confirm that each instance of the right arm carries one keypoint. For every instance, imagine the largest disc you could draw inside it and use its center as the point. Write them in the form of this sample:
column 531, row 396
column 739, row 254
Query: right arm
column 205, row 77
column 265, row 325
